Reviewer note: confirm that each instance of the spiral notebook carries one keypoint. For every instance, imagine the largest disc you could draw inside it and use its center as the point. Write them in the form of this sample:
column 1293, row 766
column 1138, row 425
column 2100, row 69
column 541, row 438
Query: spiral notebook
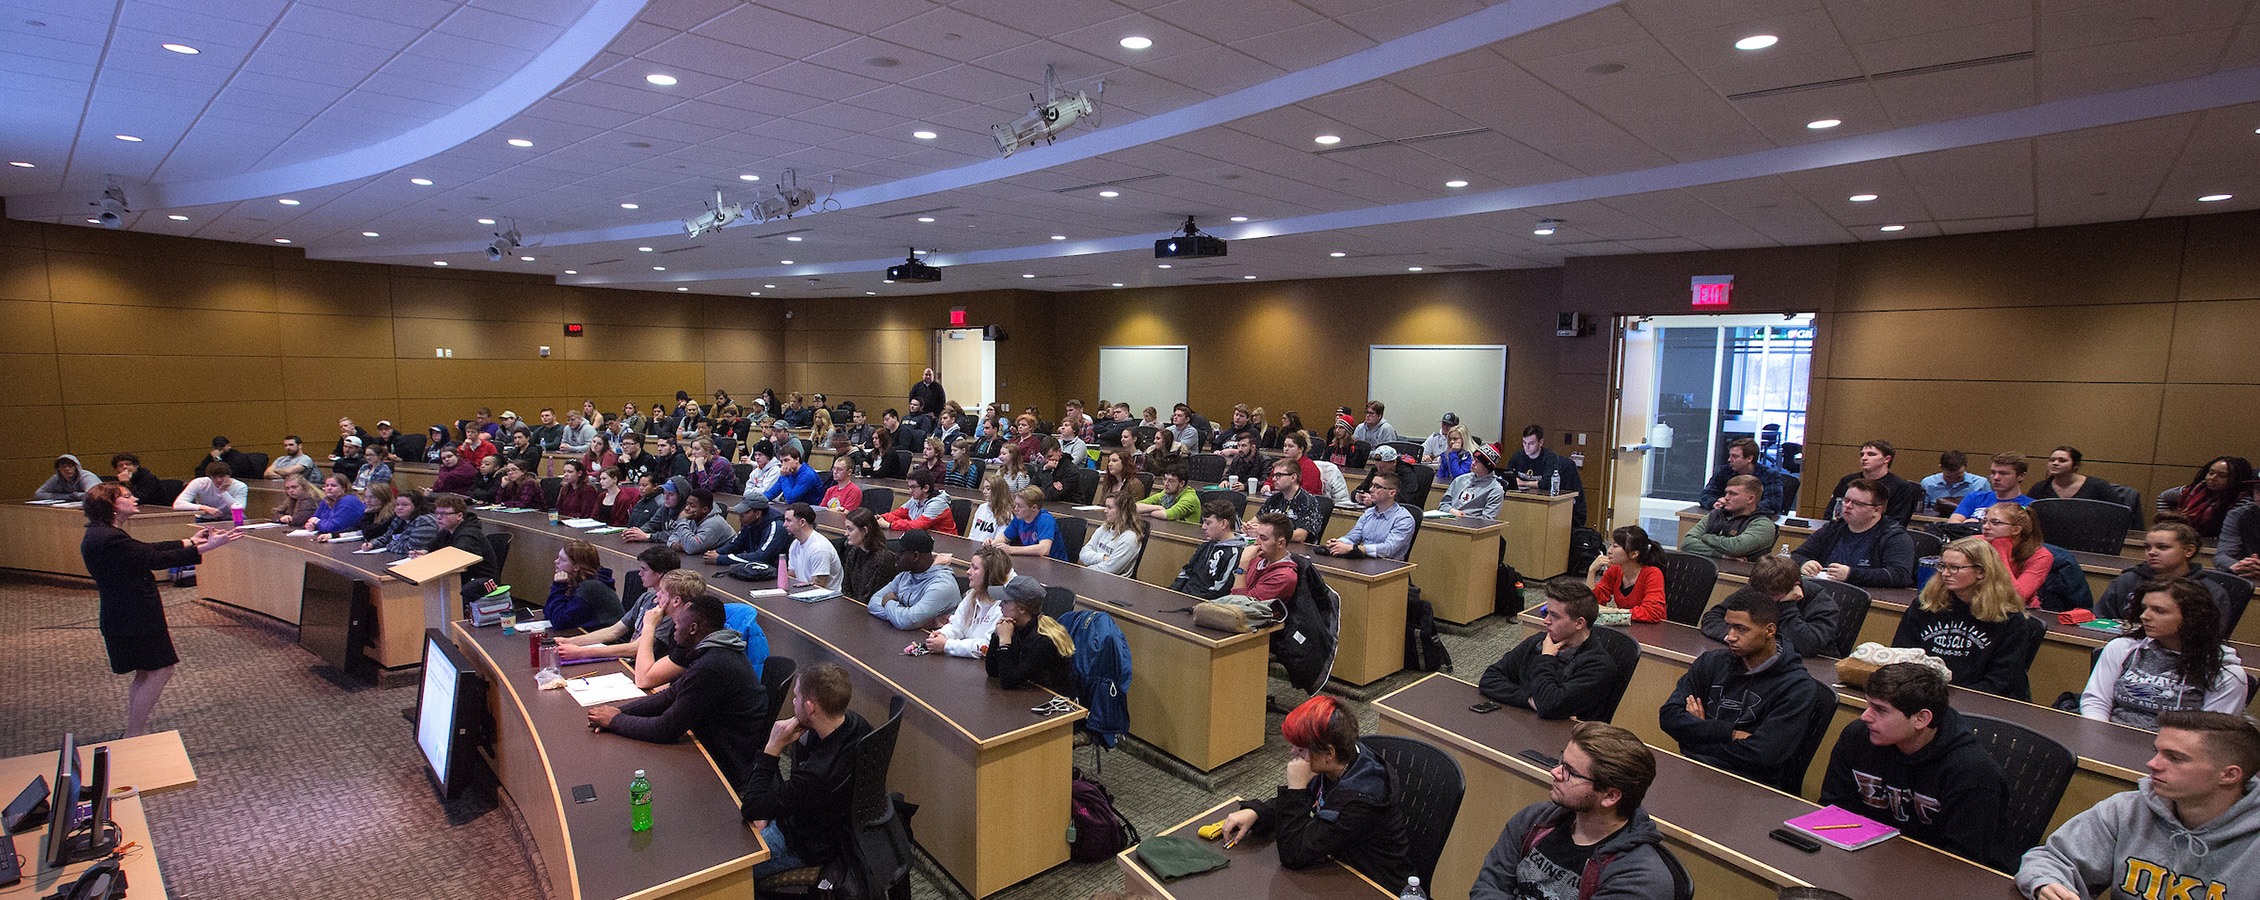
column 1843, row 828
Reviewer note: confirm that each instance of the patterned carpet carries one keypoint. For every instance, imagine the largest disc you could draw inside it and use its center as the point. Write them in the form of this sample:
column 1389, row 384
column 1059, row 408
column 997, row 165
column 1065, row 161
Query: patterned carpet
column 311, row 787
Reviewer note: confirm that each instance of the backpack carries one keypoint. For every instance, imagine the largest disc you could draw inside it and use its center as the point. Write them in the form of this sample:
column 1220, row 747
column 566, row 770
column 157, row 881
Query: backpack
column 1589, row 881
column 1424, row 651
column 1102, row 666
column 1095, row 830
column 1507, row 597
column 1584, row 546
column 2065, row 587
column 1305, row 645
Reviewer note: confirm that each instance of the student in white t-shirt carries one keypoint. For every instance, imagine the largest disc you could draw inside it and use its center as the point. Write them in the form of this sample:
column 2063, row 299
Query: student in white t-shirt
column 966, row 631
column 990, row 515
column 811, row 558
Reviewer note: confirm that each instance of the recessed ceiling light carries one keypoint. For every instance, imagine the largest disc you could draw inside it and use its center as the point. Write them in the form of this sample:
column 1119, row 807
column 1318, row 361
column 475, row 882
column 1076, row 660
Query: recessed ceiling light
column 526, row 259
column 753, row 293
column 660, row 79
column 1546, row 227
column 886, row 281
column 749, row 178
column 1860, row 198
column 1756, row 42
column 870, row 293
column 629, row 206
column 181, row 49
column 1337, row 254
column 1819, row 124
column 282, row 240
column 925, row 218
column 439, row 262
column 793, row 238
column 1893, row 228
column 369, row 234
column 1249, row 277
column 643, row 249
column 1110, row 194
column 682, row 289
column 420, row 182
column 572, row 271
column 1412, row 268
column 286, row 201
column 1455, row 183
column 1118, row 284
column 924, row 135
column 127, row 137
column 23, row 165
column 1027, row 274
column 486, row 221
column 1165, row 266
column 520, row 142
column 659, row 268
column 2214, row 198
column 1328, row 139
column 94, row 221
column 1239, row 218
column 1059, row 237
column 784, row 262
column 1137, row 42
column 178, row 218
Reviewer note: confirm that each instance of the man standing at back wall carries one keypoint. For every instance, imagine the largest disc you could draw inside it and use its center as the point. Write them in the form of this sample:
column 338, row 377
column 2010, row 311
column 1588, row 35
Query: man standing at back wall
column 929, row 393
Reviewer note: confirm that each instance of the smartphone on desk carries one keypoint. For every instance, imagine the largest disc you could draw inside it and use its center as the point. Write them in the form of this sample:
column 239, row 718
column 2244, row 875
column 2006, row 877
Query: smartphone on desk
column 1486, row 706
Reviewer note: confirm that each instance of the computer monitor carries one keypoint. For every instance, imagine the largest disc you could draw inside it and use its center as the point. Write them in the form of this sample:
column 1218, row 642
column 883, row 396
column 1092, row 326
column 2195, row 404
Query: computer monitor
column 62, row 805
column 448, row 705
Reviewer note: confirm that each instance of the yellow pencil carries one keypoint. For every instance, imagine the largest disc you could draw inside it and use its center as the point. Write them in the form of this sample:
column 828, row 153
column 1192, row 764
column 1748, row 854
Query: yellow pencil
column 1828, row 827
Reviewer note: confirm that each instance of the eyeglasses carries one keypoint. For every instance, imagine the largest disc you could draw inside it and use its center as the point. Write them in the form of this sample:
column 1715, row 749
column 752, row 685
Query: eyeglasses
column 1949, row 568
column 1851, row 502
column 1573, row 773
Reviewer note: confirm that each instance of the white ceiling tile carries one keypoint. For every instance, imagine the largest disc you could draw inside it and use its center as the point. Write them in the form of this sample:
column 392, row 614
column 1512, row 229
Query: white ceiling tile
column 2064, row 26
column 1399, row 19
column 698, row 53
column 768, row 30
column 686, row 15
column 513, row 31
column 1867, row 21
column 1304, row 46
column 2098, row 68
column 314, row 20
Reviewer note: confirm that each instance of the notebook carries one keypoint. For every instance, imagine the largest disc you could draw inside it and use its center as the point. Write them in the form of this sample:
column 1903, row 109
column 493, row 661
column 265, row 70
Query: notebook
column 1862, row 832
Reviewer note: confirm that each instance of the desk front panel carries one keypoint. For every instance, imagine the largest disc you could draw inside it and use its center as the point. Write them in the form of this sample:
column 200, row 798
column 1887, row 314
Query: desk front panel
column 46, row 538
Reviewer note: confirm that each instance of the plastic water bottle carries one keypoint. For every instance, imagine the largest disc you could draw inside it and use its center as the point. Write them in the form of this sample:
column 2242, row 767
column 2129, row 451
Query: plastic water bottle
column 639, row 803
column 1412, row 889
column 1554, row 486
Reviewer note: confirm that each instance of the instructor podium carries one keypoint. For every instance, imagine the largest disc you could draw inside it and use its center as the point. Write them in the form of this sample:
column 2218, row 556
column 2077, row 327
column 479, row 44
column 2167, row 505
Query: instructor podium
column 434, row 572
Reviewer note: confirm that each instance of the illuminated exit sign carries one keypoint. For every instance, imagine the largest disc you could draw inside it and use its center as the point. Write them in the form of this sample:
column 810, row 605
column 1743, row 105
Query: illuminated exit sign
column 1712, row 291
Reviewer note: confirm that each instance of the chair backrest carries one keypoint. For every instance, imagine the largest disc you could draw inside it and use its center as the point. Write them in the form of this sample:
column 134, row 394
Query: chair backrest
column 549, row 489
column 2237, row 591
column 1624, row 653
column 2129, row 497
column 1417, row 520
column 1791, row 778
column 1415, row 483
column 902, row 463
column 1206, row 467
column 1430, row 787
column 170, row 488
column 1058, row 600
column 1688, row 580
column 1790, row 485
column 1360, row 452
column 2093, row 526
column 1145, row 434
column 1851, row 612
column 744, row 473
column 878, row 499
column 409, row 447
column 1145, row 485
column 961, row 511
column 1927, row 544
column 2038, row 770
column 777, row 681
column 498, row 542
column 1408, row 449
column 727, row 447
column 1237, row 499
column 1072, row 531
column 1086, row 485
column 874, row 755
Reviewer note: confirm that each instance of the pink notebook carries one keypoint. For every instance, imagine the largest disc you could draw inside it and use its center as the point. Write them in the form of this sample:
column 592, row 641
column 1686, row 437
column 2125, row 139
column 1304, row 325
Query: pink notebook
column 1863, row 831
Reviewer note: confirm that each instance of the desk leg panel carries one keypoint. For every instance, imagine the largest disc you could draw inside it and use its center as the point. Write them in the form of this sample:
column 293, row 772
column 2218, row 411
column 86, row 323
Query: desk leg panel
column 1372, row 644
column 1880, row 625
column 2059, row 666
column 1652, row 683
column 400, row 623
column 519, row 767
column 1162, row 560
column 255, row 575
column 1457, row 574
column 1200, row 705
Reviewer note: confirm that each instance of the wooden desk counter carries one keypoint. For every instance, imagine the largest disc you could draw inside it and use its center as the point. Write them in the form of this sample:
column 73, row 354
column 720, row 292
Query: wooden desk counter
column 151, row 763
column 1253, row 873
column 41, row 538
column 1538, row 531
column 699, row 845
column 265, row 572
column 1458, row 559
column 1716, row 823
column 994, row 774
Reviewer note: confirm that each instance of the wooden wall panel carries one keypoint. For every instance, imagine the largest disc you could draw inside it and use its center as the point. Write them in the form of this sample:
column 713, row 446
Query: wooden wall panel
column 32, row 378
column 97, row 380
column 599, row 307
column 341, row 380
column 628, row 343
column 2107, row 421
column 645, row 381
column 470, row 296
column 744, row 379
column 159, row 282
column 317, row 335
column 2206, row 421
column 93, row 329
column 415, row 338
column 171, row 434
column 39, row 440
column 2121, row 342
column 27, row 326
column 2214, row 342
column 2217, row 264
column 743, row 345
column 2109, row 263
column 23, row 273
column 323, row 287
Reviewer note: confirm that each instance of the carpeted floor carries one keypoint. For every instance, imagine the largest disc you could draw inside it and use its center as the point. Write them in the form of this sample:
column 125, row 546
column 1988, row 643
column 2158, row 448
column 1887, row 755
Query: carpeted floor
column 311, row 786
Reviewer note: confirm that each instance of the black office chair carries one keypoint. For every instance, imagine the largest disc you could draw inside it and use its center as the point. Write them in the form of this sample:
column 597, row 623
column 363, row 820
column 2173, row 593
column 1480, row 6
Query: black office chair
column 1791, row 778
column 2038, row 770
column 1413, row 486
column 1145, row 435
column 1237, row 499
column 880, row 850
column 549, row 489
column 1790, row 485
column 2092, row 526
column 726, row 447
column 1072, row 532
column 409, row 447
column 170, row 488
column 2127, row 496
column 1851, row 613
column 2236, row 590
column 1360, row 452
column 1207, row 468
column 1411, row 450
column 1058, row 600
column 498, row 543
column 1430, row 788
column 961, row 512
column 1085, row 488
column 744, row 473
column 1688, row 581
column 777, row 682
column 1145, row 485
column 901, row 464
column 1624, row 651
column 1927, row 544
column 878, row 499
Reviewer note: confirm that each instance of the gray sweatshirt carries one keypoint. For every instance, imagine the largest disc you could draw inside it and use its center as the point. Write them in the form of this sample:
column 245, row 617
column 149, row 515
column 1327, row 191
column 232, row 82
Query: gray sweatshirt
column 1474, row 495
column 692, row 540
column 57, row 489
column 1628, row 863
column 2133, row 839
column 1110, row 551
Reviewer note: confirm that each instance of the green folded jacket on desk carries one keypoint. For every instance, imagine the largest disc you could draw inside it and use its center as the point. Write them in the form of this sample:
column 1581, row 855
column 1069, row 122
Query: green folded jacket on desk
column 1171, row 857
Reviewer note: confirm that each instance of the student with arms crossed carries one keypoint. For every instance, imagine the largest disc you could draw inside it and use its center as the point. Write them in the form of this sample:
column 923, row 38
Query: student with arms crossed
column 1175, row 501
column 1745, row 708
column 1734, row 528
column 1590, row 838
column 805, row 818
column 1114, row 548
column 1912, row 763
column 1209, row 574
column 1339, row 803
column 811, row 558
column 718, row 697
column 2189, row 829
column 2172, row 658
column 923, row 586
column 1805, row 623
column 1028, row 647
column 1559, row 672
column 1970, row 617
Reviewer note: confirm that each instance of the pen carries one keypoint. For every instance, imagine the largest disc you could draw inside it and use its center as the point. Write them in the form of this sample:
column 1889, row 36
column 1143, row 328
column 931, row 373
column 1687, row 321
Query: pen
column 1831, row 827
column 1231, row 843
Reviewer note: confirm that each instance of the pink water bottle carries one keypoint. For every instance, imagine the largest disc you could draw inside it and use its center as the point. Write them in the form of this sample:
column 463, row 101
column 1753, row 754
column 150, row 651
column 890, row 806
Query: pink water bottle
column 784, row 579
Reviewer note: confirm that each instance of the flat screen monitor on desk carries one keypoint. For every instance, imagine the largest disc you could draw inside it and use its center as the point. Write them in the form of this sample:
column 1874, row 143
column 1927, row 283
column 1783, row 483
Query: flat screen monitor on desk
column 71, row 836
column 447, row 705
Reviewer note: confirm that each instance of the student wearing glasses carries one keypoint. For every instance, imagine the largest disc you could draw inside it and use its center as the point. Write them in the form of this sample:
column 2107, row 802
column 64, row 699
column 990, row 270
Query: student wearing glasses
column 1860, row 546
column 2016, row 536
column 1287, row 497
column 1590, row 837
column 1970, row 617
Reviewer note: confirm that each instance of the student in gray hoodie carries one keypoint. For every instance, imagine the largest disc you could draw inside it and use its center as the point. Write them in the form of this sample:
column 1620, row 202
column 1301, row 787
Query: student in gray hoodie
column 701, row 528
column 2187, row 830
column 1591, row 829
column 1477, row 493
column 71, row 481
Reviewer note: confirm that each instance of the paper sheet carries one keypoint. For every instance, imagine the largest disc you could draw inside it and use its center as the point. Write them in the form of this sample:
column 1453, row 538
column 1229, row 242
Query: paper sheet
column 258, row 526
column 581, row 523
column 302, row 532
column 612, row 687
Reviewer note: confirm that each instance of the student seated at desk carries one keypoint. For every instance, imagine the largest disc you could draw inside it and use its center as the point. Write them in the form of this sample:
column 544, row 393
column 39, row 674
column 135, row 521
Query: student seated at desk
column 1901, row 497
column 660, row 654
column 1590, row 838
column 844, row 494
column 1558, row 673
column 1912, row 763
column 1970, row 617
column 867, row 560
column 2190, row 829
column 581, row 592
column 991, row 512
column 805, row 818
column 519, row 488
column 1629, row 577
column 1339, row 803
column 2172, row 658
column 1746, row 708
column 2015, row 535
column 2170, row 551
column 1943, row 490
column 1209, row 574
column 1860, row 546
column 2064, row 479
column 1032, row 530
column 1476, row 492
column 145, row 486
column 340, row 510
column 752, row 552
column 925, row 509
column 655, row 506
column 1453, row 459
column 411, row 527
column 300, row 498
column 2206, row 501
column 1114, row 548
column 923, row 586
column 70, row 481
column 1266, row 572
column 796, row 482
column 618, row 639
column 1734, row 528
column 376, row 467
column 810, row 559
column 2005, row 481
column 718, row 698
column 700, row 528
column 456, row 475
column 1027, row 647
column 1744, row 458
column 1383, row 531
column 1307, row 510
column 1175, row 501
column 577, row 496
column 1805, row 623
column 212, row 496
column 966, row 631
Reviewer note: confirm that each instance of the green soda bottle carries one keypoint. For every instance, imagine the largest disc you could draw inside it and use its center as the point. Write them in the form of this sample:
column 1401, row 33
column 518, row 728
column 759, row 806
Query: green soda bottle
column 639, row 803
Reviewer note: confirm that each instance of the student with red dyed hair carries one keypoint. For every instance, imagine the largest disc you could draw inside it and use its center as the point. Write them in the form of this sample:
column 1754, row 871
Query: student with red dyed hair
column 1339, row 802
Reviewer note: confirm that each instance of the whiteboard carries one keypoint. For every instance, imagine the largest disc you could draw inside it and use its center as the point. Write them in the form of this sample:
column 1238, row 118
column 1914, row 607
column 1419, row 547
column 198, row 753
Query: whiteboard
column 1143, row 376
column 1420, row 383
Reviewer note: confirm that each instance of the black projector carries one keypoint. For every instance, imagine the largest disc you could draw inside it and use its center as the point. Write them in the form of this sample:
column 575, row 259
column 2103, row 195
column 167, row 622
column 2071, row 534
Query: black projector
column 1188, row 246
column 913, row 270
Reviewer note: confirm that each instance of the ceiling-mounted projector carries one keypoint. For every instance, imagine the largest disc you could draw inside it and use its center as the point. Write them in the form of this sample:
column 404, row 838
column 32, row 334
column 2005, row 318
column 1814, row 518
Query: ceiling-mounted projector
column 1191, row 244
column 913, row 270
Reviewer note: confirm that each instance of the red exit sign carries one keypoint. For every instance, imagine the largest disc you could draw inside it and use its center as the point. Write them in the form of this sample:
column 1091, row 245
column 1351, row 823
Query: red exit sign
column 957, row 316
column 1712, row 291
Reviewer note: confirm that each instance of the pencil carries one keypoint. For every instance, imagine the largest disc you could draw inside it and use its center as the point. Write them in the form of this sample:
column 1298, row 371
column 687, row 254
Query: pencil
column 1828, row 827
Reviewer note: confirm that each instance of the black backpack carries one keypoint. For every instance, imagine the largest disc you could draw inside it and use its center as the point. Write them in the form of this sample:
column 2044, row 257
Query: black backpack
column 1506, row 598
column 1095, row 831
column 1584, row 546
column 1424, row 651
